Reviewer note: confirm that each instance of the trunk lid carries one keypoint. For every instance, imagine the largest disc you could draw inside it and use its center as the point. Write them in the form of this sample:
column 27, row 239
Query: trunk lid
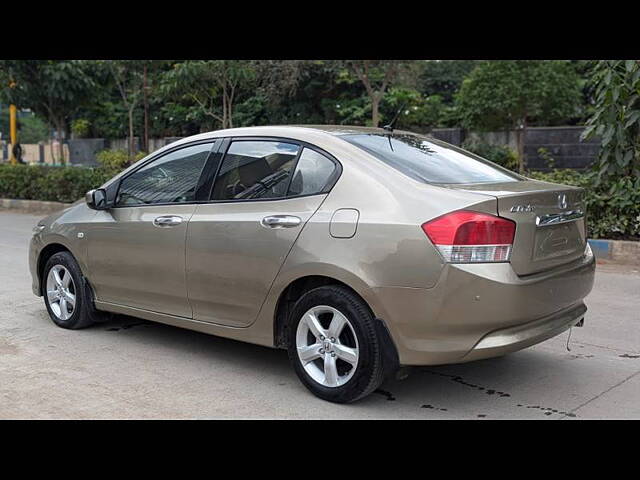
column 550, row 221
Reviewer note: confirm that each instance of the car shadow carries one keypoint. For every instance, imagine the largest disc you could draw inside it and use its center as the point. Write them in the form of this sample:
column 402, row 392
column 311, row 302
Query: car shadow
column 201, row 345
column 471, row 390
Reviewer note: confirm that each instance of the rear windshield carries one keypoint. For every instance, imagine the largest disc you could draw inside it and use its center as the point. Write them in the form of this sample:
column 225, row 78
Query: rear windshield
column 424, row 160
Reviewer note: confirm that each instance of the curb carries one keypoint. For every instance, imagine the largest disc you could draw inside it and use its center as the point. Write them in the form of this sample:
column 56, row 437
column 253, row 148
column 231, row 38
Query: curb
column 619, row 251
column 32, row 206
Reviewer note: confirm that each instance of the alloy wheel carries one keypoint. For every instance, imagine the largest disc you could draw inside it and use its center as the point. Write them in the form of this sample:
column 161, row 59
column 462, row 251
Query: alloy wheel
column 327, row 346
column 61, row 292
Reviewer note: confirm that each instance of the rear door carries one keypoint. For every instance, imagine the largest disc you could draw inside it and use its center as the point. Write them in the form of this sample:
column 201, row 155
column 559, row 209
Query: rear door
column 550, row 222
column 264, row 193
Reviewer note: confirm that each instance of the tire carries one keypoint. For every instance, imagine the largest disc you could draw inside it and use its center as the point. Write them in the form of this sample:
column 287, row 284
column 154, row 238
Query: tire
column 80, row 314
column 354, row 377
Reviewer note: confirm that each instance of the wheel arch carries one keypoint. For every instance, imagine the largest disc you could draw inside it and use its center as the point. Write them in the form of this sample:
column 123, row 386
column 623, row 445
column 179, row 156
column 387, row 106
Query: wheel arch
column 45, row 254
column 291, row 293
column 298, row 287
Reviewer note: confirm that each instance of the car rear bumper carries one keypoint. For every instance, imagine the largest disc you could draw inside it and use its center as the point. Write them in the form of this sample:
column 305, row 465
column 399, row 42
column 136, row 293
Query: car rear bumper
column 483, row 310
column 518, row 337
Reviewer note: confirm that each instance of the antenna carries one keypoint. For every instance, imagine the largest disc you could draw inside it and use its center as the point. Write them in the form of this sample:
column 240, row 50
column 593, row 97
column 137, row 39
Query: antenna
column 392, row 123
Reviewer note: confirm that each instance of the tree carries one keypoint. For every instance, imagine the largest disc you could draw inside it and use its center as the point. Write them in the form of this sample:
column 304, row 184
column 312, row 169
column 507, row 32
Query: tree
column 278, row 80
column 129, row 80
column 52, row 89
column 211, row 85
column 443, row 77
column 319, row 97
column 617, row 118
column 513, row 94
column 376, row 76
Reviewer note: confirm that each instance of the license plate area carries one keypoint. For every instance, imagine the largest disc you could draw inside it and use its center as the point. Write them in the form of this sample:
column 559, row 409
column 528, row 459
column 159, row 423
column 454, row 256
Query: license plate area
column 554, row 241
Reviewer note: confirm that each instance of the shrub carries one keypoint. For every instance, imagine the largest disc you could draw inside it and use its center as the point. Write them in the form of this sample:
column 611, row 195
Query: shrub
column 48, row 183
column 613, row 209
column 81, row 128
column 500, row 154
column 60, row 183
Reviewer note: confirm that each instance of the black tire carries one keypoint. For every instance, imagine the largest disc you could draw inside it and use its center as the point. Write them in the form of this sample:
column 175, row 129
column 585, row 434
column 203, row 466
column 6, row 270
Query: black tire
column 84, row 313
column 369, row 372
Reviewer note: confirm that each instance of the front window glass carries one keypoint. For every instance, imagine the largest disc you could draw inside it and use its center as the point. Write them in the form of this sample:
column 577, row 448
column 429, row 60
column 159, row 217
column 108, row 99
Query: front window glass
column 429, row 161
column 255, row 169
column 169, row 179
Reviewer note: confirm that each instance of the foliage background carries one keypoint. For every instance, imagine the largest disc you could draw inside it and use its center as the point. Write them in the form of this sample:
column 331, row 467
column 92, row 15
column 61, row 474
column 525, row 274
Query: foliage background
column 107, row 99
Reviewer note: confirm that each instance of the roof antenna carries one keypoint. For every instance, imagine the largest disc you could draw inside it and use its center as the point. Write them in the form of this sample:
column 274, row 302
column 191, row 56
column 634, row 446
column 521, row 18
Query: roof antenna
column 390, row 125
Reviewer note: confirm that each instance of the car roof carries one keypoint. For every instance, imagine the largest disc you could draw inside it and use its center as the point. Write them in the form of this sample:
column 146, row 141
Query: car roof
column 349, row 129
column 293, row 130
column 323, row 136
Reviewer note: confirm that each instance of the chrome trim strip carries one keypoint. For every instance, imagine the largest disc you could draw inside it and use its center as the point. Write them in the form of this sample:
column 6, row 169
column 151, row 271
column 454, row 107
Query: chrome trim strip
column 557, row 218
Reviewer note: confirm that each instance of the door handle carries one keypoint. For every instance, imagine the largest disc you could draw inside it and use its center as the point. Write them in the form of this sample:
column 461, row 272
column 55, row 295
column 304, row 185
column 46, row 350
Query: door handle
column 167, row 221
column 280, row 221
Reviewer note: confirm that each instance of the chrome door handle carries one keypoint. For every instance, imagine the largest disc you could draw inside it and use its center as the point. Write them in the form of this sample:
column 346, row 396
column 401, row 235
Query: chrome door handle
column 280, row 221
column 167, row 221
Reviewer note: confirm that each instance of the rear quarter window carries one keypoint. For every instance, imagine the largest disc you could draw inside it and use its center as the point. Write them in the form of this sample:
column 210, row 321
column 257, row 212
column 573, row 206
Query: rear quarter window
column 425, row 160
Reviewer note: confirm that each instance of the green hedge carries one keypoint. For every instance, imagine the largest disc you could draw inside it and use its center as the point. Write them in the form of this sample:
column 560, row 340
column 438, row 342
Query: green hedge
column 61, row 183
column 48, row 183
column 613, row 209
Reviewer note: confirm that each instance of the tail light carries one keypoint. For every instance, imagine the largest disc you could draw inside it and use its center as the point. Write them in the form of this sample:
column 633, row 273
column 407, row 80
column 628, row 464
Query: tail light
column 471, row 237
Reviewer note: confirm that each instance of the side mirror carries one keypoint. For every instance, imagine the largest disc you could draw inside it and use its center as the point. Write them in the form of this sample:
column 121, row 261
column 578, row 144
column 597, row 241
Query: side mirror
column 96, row 199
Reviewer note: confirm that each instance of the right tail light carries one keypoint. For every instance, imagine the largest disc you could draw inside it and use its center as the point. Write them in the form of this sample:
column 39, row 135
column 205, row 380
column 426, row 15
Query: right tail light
column 471, row 237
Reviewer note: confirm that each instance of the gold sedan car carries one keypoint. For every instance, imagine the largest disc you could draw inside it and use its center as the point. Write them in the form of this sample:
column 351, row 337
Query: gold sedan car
column 359, row 250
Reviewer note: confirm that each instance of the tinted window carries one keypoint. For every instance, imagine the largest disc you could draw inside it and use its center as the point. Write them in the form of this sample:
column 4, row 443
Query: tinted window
column 255, row 169
column 313, row 171
column 169, row 179
column 428, row 161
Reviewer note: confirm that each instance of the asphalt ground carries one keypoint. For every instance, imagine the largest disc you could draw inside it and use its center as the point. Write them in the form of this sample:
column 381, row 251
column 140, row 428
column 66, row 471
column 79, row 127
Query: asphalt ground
column 130, row 368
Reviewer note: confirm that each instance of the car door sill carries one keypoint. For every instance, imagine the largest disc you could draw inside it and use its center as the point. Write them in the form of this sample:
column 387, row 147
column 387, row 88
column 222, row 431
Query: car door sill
column 239, row 333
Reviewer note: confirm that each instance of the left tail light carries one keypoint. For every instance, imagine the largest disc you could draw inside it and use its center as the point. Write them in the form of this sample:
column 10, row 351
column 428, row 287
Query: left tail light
column 471, row 237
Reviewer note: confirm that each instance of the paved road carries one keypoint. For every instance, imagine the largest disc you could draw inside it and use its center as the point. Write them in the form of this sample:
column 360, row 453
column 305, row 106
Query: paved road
column 135, row 369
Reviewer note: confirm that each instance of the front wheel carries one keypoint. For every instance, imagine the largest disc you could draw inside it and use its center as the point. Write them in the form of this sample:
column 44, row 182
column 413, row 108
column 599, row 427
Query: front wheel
column 67, row 295
column 333, row 345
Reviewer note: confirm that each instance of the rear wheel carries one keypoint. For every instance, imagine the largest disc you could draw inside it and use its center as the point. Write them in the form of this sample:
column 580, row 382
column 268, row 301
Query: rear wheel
column 333, row 345
column 67, row 294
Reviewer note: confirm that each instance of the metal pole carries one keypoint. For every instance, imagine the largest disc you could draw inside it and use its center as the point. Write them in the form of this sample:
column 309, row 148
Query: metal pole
column 13, row 132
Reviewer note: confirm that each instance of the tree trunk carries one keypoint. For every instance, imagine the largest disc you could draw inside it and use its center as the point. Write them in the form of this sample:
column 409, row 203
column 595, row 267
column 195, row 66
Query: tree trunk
column 60, row 128
column 131, row 146
column 146, row 112
column 53, row 155
column 230, row 105
column 375, row 115
column 522, row 132
column 230, row 112
column 224, row 108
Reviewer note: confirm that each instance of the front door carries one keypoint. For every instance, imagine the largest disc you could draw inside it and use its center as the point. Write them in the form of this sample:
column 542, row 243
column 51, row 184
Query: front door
column 136, row 250
column 263, row 195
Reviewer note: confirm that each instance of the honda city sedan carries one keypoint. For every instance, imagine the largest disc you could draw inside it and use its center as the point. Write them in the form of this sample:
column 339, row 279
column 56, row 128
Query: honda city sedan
column 358, row 250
